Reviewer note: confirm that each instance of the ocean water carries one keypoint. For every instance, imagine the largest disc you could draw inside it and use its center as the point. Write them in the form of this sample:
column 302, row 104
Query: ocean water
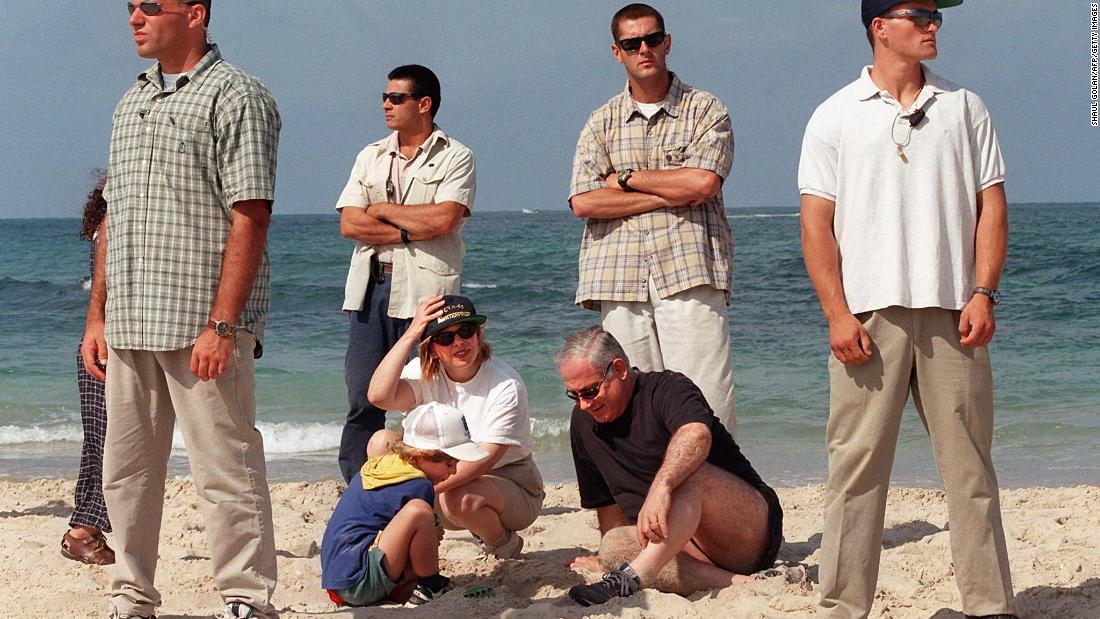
column 521, row 271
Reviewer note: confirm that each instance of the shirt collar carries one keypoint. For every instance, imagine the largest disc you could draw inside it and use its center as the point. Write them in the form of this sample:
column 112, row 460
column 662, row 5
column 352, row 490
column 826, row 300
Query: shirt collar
column 671, row 104
column 437, row 135
column 933, row 85
column 152, row 75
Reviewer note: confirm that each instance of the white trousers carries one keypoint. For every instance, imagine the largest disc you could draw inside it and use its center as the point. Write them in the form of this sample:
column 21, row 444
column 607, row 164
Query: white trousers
column 687, row 333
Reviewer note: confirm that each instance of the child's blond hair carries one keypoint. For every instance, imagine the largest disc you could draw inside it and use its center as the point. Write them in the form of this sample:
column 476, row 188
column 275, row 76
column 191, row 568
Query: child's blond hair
column 408, row 454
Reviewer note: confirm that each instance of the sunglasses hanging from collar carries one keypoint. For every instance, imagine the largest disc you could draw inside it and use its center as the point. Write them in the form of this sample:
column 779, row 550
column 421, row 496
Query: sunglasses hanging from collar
column 914, row 119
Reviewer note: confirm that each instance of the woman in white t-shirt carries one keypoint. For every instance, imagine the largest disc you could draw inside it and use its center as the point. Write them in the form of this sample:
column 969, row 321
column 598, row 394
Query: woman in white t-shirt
column 502, row 494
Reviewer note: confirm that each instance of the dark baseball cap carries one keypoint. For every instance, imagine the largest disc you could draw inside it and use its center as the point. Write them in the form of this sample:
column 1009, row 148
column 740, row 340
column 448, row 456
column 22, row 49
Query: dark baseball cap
column 455, row 309
column 875, row 8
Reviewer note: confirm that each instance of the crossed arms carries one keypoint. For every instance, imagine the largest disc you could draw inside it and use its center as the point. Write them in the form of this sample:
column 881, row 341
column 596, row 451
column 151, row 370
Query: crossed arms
column 653, row 189
column 382, row 222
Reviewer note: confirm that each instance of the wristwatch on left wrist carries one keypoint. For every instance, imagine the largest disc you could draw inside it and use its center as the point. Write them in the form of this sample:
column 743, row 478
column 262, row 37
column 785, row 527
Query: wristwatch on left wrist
column 624, row 176
column 222, row 328
column 993, row 294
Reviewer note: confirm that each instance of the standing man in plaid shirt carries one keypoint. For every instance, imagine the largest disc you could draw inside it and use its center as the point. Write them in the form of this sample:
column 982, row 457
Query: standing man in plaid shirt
column 656, row 257
column 178, row 315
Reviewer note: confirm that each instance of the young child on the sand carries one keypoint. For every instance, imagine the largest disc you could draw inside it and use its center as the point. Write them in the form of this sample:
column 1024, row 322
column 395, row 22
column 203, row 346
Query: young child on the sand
column 384, row 524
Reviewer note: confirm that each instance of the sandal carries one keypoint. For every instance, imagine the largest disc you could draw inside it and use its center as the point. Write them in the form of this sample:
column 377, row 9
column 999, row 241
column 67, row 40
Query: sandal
column 93, row 551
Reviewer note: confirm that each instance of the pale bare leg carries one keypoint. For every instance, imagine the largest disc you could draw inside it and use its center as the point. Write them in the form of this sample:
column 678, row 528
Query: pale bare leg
column 410, row 540
column 475, row 506
column 726, row 516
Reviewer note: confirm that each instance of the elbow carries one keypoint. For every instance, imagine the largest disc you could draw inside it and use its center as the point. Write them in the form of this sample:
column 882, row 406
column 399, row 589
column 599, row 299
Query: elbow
column 581, row 206
column 345, row 229
column 706, row 186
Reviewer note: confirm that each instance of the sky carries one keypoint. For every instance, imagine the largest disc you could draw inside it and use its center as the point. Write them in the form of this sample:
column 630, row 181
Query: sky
column 520, row 78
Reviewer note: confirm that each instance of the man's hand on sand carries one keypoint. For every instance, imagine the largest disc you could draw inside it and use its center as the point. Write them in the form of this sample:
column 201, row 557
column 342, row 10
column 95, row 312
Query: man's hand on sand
column 211, row 355
column 849, row 340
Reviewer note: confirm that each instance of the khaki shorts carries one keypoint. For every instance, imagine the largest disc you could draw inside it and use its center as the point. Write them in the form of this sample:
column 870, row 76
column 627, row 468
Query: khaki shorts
column 521, row 484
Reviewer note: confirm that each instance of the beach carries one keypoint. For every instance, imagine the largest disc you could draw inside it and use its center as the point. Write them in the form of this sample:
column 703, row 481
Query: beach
column 1051, row 535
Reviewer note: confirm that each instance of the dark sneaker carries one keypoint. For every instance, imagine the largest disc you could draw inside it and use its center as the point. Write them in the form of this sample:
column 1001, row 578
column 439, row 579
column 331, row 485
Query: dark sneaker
column 620, row 582
column 424, row 593
column 236, row 610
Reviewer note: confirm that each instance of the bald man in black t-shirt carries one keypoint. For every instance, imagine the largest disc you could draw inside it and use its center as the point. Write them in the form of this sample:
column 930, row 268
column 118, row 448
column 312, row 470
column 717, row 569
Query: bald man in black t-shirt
column 680, row 508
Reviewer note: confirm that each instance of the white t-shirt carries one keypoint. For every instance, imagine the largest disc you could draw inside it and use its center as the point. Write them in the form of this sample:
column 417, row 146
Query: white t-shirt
column 905, row 230
column 648, row 109
column 169, row 81
column 494, row 403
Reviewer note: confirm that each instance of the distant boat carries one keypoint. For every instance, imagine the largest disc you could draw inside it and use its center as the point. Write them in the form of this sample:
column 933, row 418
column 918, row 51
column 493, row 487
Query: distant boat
column 527, row 211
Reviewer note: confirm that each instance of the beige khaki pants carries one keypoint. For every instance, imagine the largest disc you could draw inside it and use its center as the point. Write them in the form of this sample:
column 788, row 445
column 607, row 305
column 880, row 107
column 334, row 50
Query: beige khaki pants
column 147, row 392
column 687, row 333
column 919, row 351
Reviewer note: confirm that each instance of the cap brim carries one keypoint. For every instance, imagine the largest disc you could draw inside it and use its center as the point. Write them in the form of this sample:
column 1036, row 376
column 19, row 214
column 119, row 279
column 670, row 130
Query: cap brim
column 467, row 452
column 946, row 4
column 432, row 329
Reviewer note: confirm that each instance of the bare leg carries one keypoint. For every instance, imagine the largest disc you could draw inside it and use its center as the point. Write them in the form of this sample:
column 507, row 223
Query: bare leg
column 410, row 540
column 725, row 515
column 475, row 506
column 379, row 443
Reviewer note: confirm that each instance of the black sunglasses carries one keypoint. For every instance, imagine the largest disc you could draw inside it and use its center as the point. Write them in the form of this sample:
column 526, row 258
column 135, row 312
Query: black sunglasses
column 465, row 331
column 920, row 17
column 633, row 44
column 150, row 8
column 590, row 393
column 397, row 98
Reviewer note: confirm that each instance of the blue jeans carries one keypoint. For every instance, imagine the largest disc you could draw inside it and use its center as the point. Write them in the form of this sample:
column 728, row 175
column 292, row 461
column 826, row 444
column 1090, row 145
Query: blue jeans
column 372, row 333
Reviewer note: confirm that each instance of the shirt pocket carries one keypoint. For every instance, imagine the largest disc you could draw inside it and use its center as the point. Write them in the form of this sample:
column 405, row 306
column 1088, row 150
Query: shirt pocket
column 191, row 153
column 424, row 184
column 672, row 156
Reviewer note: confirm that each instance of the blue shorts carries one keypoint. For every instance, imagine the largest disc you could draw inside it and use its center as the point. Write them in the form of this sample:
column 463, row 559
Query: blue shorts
column 374, row 587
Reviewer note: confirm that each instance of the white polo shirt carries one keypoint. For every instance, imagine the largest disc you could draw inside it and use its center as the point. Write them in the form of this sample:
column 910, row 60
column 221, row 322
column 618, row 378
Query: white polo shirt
column 905, row 229
column 443, row 170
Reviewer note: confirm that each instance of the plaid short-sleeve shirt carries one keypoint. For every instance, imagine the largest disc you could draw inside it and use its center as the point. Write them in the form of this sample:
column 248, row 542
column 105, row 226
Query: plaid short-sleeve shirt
column 180, row 159
column 680, row 247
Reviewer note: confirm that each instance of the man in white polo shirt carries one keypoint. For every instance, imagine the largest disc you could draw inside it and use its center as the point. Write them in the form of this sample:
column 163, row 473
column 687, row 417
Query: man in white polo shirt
column 904, row 229
column 404, row 203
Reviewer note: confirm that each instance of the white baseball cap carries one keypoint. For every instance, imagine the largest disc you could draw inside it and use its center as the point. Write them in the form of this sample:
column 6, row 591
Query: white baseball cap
column 442, row 427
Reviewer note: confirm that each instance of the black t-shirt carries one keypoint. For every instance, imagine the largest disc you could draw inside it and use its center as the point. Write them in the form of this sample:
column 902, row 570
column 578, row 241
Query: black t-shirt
column 617, row 461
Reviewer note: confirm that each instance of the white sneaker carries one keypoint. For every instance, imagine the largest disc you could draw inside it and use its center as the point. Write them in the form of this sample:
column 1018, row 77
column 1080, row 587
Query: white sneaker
column 235, row 610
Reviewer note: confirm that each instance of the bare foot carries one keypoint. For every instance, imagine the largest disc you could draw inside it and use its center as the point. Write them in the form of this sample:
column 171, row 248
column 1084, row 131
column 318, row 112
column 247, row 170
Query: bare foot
column 587, row 563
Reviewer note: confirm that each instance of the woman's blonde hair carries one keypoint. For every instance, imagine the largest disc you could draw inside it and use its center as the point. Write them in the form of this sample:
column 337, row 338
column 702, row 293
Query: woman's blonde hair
column 409, row 454
column 429, row 362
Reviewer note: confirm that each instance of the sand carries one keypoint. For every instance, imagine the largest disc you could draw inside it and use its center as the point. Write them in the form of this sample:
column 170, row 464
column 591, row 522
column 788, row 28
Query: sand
column 1052, row 537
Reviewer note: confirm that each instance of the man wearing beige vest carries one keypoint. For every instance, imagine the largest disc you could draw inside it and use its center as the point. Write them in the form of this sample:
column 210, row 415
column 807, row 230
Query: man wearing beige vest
column 404, row 204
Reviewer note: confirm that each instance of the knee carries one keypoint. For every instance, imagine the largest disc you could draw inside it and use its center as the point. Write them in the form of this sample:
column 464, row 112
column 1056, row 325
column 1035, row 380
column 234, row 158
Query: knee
column 419, row 511
column 379, row 443
column 618, row 546
column 461, row 501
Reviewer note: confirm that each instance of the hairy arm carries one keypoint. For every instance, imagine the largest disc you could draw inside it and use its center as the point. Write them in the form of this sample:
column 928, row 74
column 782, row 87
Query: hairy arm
column 653, row 189
column 244, row 249
column 421, row 221
column 977, row 323
column 93, row 350
column 359, row 225
column 848, row 339
column 686, row 452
